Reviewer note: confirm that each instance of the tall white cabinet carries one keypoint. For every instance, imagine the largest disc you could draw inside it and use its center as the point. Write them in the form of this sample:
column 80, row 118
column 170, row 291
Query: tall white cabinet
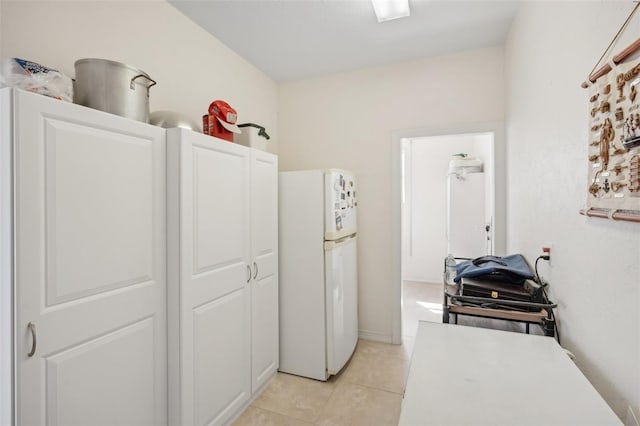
column 222, row 269
column 83, row 277
column 138, row 270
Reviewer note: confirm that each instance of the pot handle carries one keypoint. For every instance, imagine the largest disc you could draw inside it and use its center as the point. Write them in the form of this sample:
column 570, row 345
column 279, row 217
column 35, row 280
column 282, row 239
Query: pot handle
column 153, row 82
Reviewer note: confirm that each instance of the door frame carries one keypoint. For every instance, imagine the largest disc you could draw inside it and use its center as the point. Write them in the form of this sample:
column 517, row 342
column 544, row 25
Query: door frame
column 495, row 127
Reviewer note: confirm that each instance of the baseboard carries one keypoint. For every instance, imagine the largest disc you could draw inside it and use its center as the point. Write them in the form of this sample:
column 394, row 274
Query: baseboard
column 253, row 397
column 423, row 281
column 418, row 279
column 377, row 337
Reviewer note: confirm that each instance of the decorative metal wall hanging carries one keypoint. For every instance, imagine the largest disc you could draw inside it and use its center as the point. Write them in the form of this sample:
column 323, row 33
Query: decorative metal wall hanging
column 613, row 189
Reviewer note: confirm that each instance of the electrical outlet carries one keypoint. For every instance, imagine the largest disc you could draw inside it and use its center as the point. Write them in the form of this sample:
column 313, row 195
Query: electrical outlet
column 547, row 249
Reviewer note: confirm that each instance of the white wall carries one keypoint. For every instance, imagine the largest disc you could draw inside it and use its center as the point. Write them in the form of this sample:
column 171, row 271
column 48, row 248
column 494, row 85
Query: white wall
column 346, row 120
column 424, row 212
column 594, row 273
column 192, row 67
column 1, row 50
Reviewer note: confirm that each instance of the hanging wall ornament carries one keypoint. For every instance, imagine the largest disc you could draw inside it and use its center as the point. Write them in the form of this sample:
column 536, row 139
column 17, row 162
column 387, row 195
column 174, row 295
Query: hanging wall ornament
column 613, row 189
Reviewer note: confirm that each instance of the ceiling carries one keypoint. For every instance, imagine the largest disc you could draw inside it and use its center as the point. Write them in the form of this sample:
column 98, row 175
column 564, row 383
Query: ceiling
column 298, row 39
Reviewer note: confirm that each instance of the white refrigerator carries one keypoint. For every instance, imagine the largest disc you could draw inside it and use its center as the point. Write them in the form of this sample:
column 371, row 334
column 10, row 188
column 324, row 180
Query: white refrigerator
column 318, row 271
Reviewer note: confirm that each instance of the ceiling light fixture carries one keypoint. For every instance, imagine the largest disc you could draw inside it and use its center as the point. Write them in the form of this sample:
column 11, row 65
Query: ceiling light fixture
column 387, row 10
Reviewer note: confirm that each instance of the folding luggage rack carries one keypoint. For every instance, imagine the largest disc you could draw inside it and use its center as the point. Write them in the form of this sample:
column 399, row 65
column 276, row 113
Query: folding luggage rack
column 484, row 307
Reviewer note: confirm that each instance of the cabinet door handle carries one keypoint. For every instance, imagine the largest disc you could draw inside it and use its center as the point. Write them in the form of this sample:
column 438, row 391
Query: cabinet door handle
column 248, row 273
column 255, row 270
column 32, row 328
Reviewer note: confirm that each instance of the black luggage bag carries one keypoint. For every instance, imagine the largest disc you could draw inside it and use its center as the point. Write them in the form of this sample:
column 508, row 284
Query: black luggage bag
column 528, row 292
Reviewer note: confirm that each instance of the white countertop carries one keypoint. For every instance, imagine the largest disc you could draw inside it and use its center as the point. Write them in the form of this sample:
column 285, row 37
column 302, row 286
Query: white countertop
column 474, row 376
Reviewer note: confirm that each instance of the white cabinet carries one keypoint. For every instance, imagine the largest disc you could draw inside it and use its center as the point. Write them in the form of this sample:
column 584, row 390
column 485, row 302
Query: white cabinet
column 90, row 270
column 223, row 292
column 264, row 255
column 83, row 232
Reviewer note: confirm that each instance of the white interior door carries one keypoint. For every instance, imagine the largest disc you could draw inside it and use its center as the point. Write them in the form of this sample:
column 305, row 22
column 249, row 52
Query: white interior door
column 264, row 248
column 89, row 266
column 209, row 180
column 341, row 263
column 467, row 236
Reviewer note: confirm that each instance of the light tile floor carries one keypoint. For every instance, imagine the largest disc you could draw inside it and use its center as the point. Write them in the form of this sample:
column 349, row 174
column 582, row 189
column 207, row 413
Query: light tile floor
column 369, row 389
column 421, row 301
column 367, row 392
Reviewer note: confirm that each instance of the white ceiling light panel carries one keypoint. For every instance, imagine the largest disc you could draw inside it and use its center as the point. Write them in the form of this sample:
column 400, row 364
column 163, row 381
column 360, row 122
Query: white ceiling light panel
column 387, row 10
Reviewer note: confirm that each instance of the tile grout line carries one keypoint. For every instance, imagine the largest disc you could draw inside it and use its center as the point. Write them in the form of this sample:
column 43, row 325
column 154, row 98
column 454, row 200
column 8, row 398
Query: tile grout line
column 286, row 415
column 345, row 381
column 315, row 421
column 379, row 389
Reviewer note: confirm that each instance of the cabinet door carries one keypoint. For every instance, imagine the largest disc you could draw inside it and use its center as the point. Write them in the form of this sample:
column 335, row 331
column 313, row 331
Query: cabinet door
column 209, row 181
column 89, row 266
column 264, row 248
column 7, row 395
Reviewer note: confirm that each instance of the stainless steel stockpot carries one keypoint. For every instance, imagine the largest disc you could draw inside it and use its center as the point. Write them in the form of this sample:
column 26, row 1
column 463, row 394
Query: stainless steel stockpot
column 112, row 87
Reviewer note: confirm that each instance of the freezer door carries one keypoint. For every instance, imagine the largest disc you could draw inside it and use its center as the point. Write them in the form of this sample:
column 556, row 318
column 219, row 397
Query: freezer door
column 341, row 204
column 341, row 274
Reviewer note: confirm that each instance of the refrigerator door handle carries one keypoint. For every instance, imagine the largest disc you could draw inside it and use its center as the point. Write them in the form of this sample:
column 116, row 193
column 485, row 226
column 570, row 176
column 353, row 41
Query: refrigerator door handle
column 248, row 273
column 330, row 245
column 255, row 270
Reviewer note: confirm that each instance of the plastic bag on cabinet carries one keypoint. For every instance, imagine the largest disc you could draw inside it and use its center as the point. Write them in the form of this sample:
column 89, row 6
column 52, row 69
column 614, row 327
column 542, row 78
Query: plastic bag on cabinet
column 31, row 76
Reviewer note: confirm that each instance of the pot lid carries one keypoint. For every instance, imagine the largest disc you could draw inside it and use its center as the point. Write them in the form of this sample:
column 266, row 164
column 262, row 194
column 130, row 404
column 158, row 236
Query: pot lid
column 109, row 62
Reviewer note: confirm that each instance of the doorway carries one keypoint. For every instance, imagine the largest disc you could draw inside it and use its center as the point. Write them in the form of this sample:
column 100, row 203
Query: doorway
column 428, row 215
column 420, row 218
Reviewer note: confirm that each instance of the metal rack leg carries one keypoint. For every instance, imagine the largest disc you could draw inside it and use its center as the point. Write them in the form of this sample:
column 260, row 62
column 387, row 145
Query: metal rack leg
column 548, row 327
